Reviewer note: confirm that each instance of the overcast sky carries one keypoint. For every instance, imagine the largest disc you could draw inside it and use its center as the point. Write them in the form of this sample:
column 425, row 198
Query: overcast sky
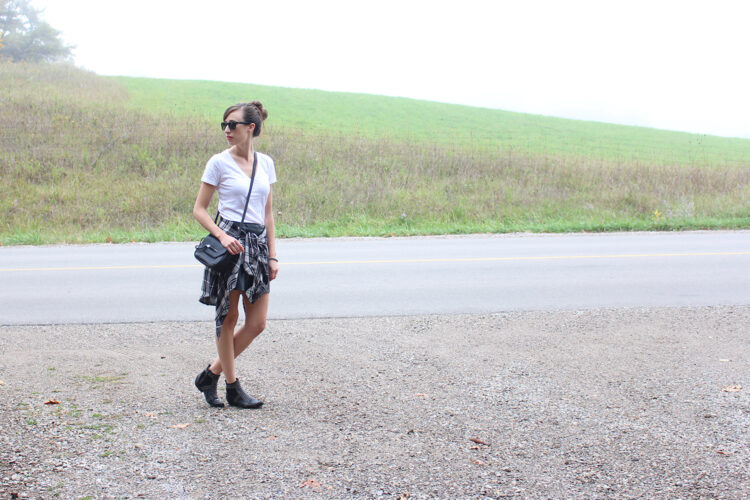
column 680, row 65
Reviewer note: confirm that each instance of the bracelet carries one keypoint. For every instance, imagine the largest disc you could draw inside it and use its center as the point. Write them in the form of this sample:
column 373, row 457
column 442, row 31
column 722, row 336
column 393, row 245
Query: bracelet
column 273, row 258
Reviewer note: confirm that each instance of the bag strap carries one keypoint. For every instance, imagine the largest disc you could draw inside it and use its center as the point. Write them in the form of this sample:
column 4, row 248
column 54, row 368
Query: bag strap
column 252, row 181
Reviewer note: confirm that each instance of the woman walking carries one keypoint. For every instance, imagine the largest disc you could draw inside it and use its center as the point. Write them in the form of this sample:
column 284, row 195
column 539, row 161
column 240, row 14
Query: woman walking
column 246, row 229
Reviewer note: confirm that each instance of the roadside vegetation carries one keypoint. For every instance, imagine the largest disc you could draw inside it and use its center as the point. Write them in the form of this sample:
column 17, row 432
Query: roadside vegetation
column 86, row 158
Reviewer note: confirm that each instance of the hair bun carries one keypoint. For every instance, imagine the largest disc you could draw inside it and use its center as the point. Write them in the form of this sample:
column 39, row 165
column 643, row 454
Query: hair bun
column 261, row 110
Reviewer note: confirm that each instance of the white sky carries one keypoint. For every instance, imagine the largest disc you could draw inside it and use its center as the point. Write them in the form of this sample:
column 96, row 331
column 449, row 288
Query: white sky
column 680, row 65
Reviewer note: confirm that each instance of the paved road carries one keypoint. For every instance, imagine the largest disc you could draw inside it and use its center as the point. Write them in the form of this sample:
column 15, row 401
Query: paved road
column 386, row 276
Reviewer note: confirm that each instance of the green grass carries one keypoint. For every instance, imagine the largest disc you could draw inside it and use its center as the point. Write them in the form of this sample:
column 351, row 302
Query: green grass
column 90, row 159
column 392, row 118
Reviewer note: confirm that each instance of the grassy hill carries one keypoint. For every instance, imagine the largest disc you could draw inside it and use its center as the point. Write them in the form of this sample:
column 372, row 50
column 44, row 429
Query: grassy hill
column 88, row 158
column 402, row 119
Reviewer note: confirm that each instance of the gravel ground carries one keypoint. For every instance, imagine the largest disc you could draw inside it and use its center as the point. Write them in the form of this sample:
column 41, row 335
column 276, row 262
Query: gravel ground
column 620, row 403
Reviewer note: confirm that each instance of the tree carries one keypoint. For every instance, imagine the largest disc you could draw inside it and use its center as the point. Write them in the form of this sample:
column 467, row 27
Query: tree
column 25, row 37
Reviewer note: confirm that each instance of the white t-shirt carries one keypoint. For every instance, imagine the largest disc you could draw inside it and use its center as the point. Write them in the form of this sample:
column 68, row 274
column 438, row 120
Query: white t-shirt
column 232, row 184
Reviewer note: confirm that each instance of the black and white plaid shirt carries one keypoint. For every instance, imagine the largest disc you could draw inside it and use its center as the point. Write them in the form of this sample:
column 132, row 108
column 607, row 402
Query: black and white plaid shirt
column 253, row 261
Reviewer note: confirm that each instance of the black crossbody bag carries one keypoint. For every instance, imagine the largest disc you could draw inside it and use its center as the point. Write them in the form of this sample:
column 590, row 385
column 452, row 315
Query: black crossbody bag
column 209, row 251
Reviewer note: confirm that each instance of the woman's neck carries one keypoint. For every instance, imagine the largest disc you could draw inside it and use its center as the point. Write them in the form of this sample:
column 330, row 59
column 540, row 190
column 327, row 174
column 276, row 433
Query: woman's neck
column 243, row 150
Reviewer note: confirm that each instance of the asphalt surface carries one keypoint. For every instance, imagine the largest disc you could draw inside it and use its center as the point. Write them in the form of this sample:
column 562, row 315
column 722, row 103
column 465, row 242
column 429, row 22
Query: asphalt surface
column 583, row 366
column 353, row 277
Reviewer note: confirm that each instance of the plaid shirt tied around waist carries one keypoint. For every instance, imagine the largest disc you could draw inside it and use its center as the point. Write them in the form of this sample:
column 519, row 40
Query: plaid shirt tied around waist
column 253, row 261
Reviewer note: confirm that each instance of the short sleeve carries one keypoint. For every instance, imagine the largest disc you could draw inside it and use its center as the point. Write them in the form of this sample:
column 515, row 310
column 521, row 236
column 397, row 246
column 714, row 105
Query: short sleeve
column 270, row 170
column 211, row 172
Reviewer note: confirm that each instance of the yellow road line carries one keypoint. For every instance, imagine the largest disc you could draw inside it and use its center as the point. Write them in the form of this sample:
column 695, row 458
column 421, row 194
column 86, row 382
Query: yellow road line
column 501, row 259
column 392, row 261
column 94, row 268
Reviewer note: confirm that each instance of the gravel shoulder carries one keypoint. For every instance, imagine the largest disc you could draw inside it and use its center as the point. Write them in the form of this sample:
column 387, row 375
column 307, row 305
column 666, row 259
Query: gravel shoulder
column 625, row 403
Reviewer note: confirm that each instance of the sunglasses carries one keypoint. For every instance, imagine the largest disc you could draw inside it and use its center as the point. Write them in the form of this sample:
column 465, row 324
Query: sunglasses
column 232, row 124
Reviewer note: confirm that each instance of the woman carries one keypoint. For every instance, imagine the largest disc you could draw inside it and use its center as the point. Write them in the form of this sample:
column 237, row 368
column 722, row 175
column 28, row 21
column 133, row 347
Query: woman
column 252, row 239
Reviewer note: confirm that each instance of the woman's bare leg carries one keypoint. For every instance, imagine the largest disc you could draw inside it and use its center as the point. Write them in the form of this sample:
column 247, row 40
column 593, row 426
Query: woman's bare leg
column 225, row 342
column 255, row 323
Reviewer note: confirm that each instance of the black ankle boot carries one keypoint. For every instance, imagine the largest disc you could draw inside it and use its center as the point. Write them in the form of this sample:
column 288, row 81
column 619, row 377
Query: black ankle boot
column 206, row 383
column 238, row 397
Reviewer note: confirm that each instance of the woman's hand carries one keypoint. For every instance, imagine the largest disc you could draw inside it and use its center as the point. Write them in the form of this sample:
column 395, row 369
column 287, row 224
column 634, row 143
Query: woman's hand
column 232, row 245
column 273, row 268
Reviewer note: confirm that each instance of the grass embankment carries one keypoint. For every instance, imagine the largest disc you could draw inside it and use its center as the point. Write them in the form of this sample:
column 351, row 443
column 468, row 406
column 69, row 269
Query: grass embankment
column 408, row 120
column 85, row 158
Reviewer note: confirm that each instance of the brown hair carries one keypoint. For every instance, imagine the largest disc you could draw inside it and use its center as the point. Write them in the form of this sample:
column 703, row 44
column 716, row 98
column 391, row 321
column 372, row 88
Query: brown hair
column 252, row 111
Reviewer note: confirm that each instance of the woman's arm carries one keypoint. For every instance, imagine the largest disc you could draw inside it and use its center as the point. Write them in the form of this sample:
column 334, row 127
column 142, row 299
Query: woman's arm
column 200, row 212
column 271, row 236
